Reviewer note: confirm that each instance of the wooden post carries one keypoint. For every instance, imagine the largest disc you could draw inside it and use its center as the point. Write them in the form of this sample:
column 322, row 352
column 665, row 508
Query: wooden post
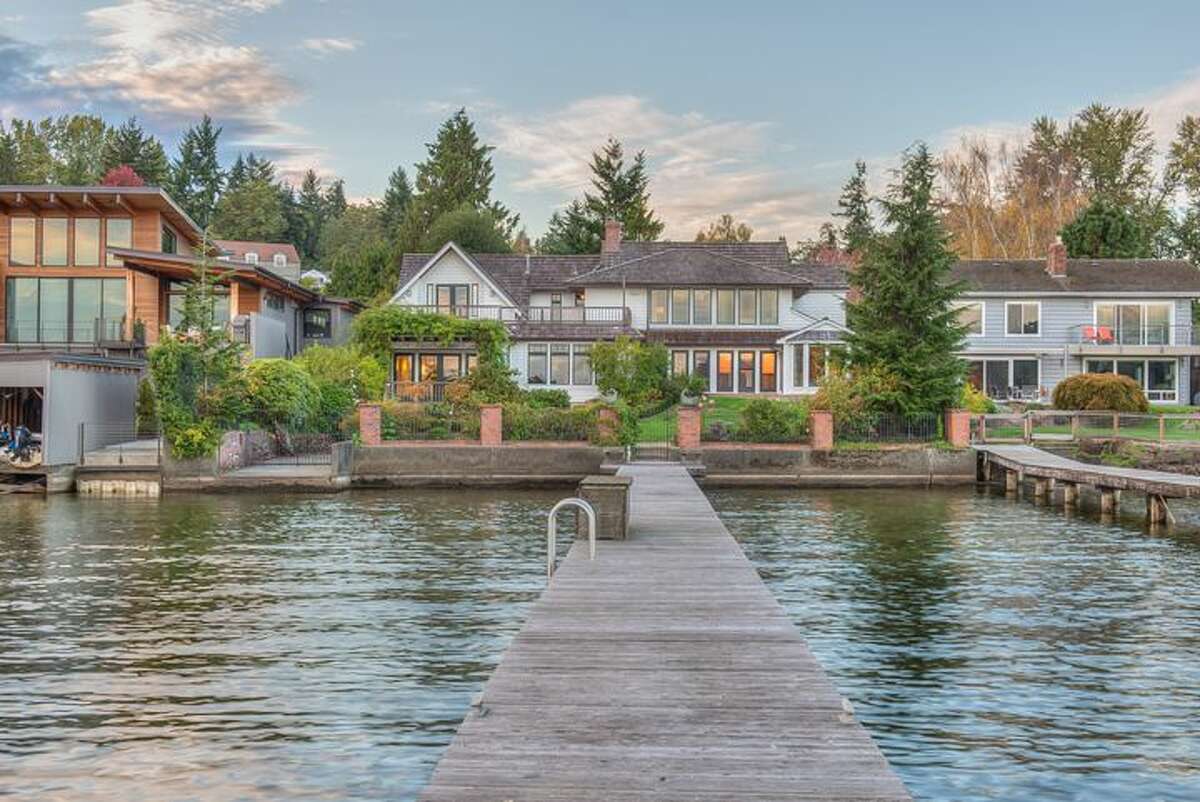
column 1156, row 509
column 1116, row 424
column 983, row 428
column 1041, row 488
column 1012, row 481
column 1162, row 428
column 1028, row 426
column 1070, row 494
column 1074, row 425
column 1108, row 501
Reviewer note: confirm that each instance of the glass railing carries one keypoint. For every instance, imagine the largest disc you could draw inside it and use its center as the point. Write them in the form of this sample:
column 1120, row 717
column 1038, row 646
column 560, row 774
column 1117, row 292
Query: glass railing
column 1146, row 334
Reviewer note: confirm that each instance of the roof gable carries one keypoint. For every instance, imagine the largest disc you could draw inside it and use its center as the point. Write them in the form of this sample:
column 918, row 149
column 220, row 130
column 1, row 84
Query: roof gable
column 448, row 248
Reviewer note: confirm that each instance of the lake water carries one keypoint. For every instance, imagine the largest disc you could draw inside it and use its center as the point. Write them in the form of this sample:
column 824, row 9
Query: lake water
column 301, row 648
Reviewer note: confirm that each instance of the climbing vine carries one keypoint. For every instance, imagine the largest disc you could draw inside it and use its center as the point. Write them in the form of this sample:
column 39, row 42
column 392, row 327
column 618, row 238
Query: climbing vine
column 376, row 329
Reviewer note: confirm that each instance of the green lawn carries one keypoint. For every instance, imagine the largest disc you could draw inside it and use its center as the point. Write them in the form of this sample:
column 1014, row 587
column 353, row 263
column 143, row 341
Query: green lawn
column 1100, row 425
column 659, row 427
column 723, row 409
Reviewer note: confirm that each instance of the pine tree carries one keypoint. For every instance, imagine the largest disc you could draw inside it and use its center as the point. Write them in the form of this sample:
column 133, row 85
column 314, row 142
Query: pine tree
column 396, row 199
column 196, row 176
column 237, row 173
column 130, row 145
column 458, row 171
column 623, row 194
column 335, row 200
column 8, row 157
column 572, row 230
column 902, row 319
column 311, row 205
column 854, row 206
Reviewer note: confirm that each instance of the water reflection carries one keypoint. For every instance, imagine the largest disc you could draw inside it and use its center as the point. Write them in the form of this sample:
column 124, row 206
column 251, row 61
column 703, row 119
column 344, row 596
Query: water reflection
column 996, row 650
column 252, row 647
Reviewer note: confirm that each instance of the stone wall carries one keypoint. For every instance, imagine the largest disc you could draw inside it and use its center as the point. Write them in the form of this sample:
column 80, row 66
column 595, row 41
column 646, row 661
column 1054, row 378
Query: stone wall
column 456, row 464
column 805, row 466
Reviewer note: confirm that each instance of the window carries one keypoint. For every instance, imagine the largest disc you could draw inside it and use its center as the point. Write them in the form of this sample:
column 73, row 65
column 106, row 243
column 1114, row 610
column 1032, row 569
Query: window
column 996, row 378
column 454, row 299
column 428, row 367
column 472, row 362
column 279, row 260
column 658, row 306
column 535, row 368
column 767, row 362
column 451, row 366
column 1132, row 324
column 87, row 241
column 747, row 307
column 560, row 363
column 700, row 367
column 702, row 307
column 274, row 301
column 975, row 374
column 681, row 307
column 1024, row 318
column 1134, row 369
column 768, row 307
column 724, row 371
column 1160, row 380
column 1006, row 378
column 250, row 258
column 22, row 246
column 170, row 243
column 21, row 320
column 818, row 364
column 318, row 324
column 85, row 309
column 118, row 233
column 177, row 291
column 405, row 365
column 53, row 320
column 1025, row 375
column 679, row 363
column 581, row 369
column 971, row 315
column 54, row 241
column 725, row 308
column 745, row 371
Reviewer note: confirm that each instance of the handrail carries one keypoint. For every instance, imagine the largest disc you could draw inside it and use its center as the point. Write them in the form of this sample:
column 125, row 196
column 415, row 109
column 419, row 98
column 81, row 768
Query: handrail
column 552, row 531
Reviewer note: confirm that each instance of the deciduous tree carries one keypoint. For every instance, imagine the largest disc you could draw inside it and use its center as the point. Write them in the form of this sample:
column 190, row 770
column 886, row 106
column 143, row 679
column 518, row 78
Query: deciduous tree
column 725, row 229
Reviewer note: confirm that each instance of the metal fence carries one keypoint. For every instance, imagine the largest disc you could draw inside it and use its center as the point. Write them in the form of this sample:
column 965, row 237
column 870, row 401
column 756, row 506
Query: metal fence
column 429, row 392
column 294, row 448
column 118, row 444
column 428, row 422
column 889, row 428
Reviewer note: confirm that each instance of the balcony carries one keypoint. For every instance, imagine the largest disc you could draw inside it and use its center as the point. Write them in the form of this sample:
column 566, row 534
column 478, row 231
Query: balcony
column 1147, row 339
column 571, row 315
column 100, row 335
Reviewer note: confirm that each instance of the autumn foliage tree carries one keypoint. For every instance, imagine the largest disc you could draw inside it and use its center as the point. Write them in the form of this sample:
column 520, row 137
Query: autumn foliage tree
column 122, row 176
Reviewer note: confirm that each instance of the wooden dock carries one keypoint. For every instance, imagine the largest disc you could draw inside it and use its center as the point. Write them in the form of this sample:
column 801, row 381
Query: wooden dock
column 663, row 670
column 1017, row 463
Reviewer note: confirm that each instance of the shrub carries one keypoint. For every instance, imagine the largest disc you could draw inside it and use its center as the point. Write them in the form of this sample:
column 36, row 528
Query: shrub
column 636, row 371
column 347, row 366
column 376, row 329
column 193, row 441
column 578, row 423
column 1100, row 391
column 147, row 407
column 766, row 420
column 407, row 421
column 281, row 394
column 854, row 399
column 546, row 398
column 974, row 400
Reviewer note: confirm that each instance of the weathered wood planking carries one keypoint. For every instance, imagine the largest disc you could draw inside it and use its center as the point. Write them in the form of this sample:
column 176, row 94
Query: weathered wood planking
column 1035, row 462
column 663, row 670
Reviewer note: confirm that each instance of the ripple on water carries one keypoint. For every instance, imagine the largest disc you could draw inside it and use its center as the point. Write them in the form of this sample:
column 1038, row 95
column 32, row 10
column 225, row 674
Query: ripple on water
column 995, row 650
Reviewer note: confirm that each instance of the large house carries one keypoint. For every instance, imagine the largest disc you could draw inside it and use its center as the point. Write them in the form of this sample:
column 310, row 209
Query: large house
column 96, row 268
column 751, row 321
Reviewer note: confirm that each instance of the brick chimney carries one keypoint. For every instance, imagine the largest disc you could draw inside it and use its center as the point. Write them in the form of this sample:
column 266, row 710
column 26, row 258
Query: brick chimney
column 1056, row 258
column 612, row 238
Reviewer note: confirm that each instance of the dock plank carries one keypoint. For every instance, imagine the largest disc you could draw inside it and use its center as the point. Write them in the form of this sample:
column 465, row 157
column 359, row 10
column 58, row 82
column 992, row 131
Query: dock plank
column 1043, row 464
column 665, row 670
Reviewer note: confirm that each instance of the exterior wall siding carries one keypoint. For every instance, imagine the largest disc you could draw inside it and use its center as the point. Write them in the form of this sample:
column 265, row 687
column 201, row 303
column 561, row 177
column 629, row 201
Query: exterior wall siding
column 451, row 269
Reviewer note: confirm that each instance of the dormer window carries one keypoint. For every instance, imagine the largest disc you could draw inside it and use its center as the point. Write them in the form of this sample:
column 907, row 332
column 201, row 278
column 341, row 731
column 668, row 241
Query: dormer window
column 280, row 260
column 251, row 258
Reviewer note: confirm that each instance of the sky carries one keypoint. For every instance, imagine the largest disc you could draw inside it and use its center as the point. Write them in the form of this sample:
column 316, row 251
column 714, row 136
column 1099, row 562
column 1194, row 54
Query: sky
column 758, row 109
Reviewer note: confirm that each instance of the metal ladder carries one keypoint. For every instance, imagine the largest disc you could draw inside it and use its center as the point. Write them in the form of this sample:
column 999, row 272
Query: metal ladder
column 552, row 531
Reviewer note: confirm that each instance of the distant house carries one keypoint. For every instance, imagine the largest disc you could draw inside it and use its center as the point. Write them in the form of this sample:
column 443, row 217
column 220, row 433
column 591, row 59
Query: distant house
column 749, row 320
column 281, row 258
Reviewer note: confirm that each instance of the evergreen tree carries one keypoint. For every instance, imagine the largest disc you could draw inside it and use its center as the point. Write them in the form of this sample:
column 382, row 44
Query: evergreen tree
column 335, row 200
column 572, row 230
column 902, row 319
column 78, row 145
column 366, row 272
column 8, row 157
column 311, row 204
column 252, row 211
column 474, row 230
column 237, row 173
column 35, row 161
column 623, row 194
column 854, row 206
column 458, row 171
column 1114, row 149
column 396, row 199
column 196, row 176
column 1105, row 230
column 130, row 145
column 620, row 193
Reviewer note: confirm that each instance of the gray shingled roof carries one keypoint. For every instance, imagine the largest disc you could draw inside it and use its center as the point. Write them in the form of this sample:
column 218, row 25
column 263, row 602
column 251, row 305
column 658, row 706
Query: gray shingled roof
column 681, row 266
column 1083, row 275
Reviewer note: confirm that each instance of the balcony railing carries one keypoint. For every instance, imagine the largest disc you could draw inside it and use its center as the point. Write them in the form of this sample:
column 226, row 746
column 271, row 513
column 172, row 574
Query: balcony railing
column 97, row 333
column 1144, row 334
column 427, row 392
column 586, row 315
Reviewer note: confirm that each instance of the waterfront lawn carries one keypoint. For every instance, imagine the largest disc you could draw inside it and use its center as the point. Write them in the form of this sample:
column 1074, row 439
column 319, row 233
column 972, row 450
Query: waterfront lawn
column 723, row 409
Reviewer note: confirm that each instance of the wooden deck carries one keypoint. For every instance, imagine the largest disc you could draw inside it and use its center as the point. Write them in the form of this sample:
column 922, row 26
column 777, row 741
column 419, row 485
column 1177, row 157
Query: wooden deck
column 664, row 670
column 1036, row 463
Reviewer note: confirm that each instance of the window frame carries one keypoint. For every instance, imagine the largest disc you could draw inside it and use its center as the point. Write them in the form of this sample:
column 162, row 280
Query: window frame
column 763, row 292
column 584, row 351
column 706, row 357
column 1008, row 304
column 110, row 260
column 676, row 368
column 558, row 351
column 541, row 351
column 12, row 225
column 1160, row 396
column 743, row 370
column 762, row 373
column 651, row 316
column 309, row 326
column 731, row 294
column 686, row 306
column 731, row 375
column 1143, row 321
column 97, row 254
column 708, row 305
column 65, row 223
column 746, row 292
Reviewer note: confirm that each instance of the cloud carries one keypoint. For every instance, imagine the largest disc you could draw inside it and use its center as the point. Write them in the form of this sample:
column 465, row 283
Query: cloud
column 330, row 45
column 700, row 167
column 171, row 61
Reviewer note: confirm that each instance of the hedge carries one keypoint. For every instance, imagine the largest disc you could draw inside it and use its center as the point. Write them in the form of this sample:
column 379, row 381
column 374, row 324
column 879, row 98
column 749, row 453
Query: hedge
column 1109, row 392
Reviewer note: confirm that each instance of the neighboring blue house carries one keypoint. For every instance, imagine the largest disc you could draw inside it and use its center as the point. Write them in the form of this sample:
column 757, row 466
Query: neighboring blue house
column 1033, row 323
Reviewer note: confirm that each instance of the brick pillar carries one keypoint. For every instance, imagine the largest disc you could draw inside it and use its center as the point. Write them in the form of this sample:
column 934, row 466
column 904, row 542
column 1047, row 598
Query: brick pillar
column 820, row 422
column 370, row 424
column 491, row 425
column 687, row 433
column 958, row 428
